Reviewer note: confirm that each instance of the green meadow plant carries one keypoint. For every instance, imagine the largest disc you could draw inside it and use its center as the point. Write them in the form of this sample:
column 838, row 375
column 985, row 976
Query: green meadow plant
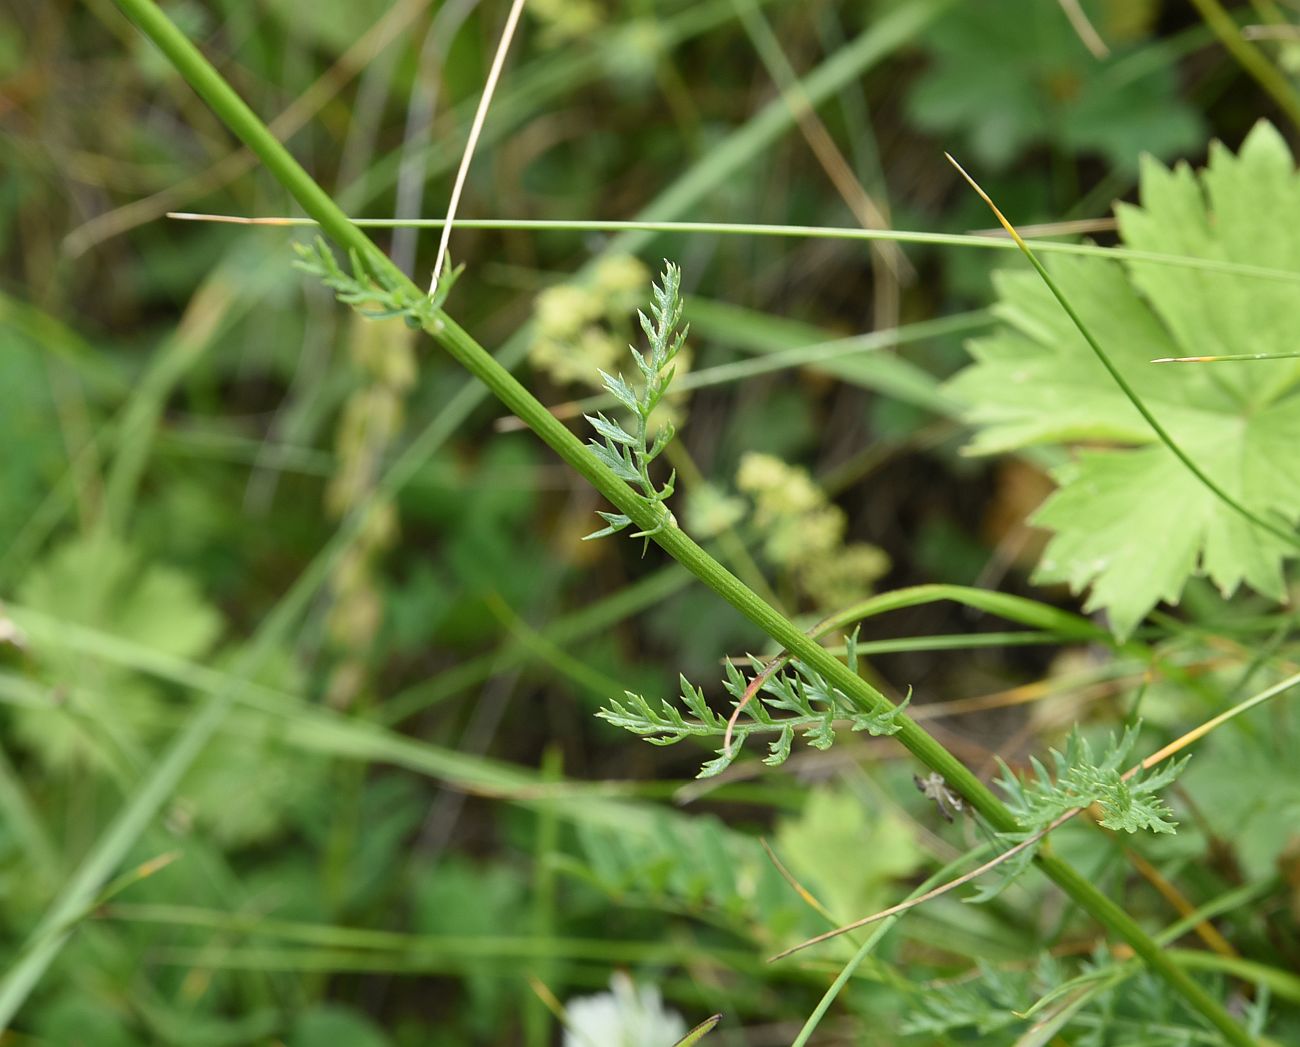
column 801, row 689
column 394, row 292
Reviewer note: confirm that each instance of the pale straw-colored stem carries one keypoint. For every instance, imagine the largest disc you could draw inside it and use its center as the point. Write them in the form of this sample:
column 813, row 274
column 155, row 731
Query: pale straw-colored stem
column 480, row 115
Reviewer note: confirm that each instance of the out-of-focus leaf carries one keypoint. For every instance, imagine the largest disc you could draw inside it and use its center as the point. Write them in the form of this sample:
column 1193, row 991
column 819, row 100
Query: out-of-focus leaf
column 1011, row 74
column 247, row 780
column 847, row 855
column 335, row 1025
column 102, row 583
column 459, row 897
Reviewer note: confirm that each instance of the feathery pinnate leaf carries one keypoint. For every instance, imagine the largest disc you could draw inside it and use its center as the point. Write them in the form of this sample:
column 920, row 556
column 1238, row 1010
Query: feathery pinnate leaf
column 1079, row 778
column 629, row 454
column 371, row 289
column 797, row 699
column 1082, row 779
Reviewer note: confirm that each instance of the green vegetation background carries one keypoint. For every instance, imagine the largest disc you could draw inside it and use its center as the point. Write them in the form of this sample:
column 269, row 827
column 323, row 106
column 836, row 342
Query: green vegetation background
column 413, row 829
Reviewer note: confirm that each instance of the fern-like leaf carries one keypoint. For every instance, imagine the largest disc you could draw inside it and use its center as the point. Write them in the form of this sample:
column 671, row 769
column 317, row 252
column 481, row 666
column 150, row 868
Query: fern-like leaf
column 630, row 453
column 1079, row 779
column 371, row 288
column 797, row 700
column 1082, row 779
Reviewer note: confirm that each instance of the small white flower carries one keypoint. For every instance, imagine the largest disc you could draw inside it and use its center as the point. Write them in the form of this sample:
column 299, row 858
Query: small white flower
column 629, row 1015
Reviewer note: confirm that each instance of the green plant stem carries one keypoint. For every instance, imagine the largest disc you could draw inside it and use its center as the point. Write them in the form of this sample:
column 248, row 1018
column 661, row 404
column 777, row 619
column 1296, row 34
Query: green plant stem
column 430, row 951
column 912, row 736
column 550, row 654
column 797, row 232
column 1285, row 983
column 729, row 155
column 1226, row 358
column 730, row 546
column 1018, row 609
column 190, row 63
column 1250, row 57
column 1083, row 989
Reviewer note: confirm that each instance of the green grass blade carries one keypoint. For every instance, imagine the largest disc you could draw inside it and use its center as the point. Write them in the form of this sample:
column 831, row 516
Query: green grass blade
column 1019, row 609
column 536, row 86
column 1226, row 358
column 840, row 356
column 699, row 1032
column 21, row 818
column 877, row 935
column 1254, row 61
column 797, row 232
column 641, row 594
column 362, row 949
column 217, row 305
column 55, row 927
column 886, row 373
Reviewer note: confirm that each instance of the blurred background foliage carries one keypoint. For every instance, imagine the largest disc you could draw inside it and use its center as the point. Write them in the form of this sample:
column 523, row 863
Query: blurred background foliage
column 412, row 830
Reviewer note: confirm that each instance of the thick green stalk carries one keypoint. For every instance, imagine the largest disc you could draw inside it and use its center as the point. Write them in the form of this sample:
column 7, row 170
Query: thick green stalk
column 461, row 346
column 737, row 149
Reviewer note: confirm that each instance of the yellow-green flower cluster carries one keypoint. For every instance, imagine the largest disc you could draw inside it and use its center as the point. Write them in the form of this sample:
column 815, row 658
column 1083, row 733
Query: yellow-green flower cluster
column 566, row 20
column 372, row 418
column 575, row 324
column 803, row 533
column 573, row 343
column 583, row 329
column 710, row 511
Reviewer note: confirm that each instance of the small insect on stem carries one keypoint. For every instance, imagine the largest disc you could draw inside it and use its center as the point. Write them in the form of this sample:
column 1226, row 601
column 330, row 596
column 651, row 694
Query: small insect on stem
column 934, row 787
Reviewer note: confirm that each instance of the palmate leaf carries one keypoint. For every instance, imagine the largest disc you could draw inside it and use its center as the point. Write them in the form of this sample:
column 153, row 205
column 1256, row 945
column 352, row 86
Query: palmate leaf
column 1130, row 520
column 1247, row 785
column 1011, row 74
column 848, row 852
column 99, row 713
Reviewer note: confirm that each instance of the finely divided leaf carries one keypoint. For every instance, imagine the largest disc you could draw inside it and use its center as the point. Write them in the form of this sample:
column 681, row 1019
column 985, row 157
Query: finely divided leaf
column 611, row 430
column 621, row 391
column 630, row 454
column 816, row 705
column 1081, row 779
